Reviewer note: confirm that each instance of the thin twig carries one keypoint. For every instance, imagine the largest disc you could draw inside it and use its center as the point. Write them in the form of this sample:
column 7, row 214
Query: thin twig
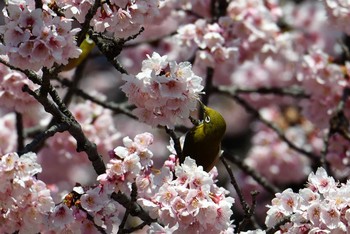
column 40, row 138
column 176, row 140
column 20, row 134
column 275, row 228
column 78, row 75
column 117, row 108
column 295, row 92
column 110, row 48
column 138, row 227
column 133, row 197
column 38, row 4
column 132, row 37
column 149, row 42
column 248, row 211
column 249, row 218
column 135, row 209
column 208, row 85
column 254, row 195
column 30, row 74
column 91, row 218
column 86, row 25
column 244, row 204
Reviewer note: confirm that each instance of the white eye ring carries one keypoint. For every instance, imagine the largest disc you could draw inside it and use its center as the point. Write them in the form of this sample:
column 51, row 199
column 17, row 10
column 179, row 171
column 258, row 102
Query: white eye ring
column 207, row 119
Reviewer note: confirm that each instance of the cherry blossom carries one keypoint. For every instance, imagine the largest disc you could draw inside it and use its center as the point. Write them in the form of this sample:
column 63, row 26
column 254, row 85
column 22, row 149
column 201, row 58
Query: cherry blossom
column 131, row 160
column 215, row 43
column 325, row 82
column 164, row 92
column 298, row 49
column 36, row 38
column 26, row 201
column 190, row 201
column 122, row 18
column 338, row 13
column 11, row 95
column 323, row 204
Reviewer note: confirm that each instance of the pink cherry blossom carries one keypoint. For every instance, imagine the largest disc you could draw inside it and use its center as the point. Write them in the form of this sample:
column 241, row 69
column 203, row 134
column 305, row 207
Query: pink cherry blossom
column 26, row 201
column 323, row 205
column 321, row 182
column 36, row 38
column 11, row 94
column 197, row 204
column 338, row 13
column 62, row 215
column 163, row 99
column 131, row 160
column 92, row 200
column 122, row 18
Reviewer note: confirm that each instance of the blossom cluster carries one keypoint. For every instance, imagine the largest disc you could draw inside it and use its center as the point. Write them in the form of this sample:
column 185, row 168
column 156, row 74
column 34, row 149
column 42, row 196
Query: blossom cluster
column 128, row 163
column 190, row 201
column 123, row 18
column 339, row 156
column 27, row 205
column 275, row 160
column 25, row 201
column 338, row 13
column 252, row 46
column 180, row 197
column 255, row 24
column 322, row 207
column 248, row 26
column 11, row 95
column 211, row 39
column 164, row 92
column 324, row 81
column 36, row 38
column 72, row 215
column 186, row 198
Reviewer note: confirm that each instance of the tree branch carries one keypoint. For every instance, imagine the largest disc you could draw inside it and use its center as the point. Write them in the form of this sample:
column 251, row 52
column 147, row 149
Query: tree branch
column 83, row 144
column 40, row 139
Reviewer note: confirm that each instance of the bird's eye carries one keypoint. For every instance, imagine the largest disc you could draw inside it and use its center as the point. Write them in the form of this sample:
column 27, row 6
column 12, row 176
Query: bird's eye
column 207, row 119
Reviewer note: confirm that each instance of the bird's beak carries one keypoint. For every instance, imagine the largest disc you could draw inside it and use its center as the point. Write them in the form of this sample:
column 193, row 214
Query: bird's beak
column 202, row 112
column 201, row 105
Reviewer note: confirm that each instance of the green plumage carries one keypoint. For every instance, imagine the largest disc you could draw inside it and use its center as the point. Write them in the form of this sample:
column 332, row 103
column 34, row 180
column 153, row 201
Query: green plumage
column 203, row 142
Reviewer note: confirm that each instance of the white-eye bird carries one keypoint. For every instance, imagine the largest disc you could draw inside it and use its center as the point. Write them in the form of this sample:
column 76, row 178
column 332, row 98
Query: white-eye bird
column 203, row 142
